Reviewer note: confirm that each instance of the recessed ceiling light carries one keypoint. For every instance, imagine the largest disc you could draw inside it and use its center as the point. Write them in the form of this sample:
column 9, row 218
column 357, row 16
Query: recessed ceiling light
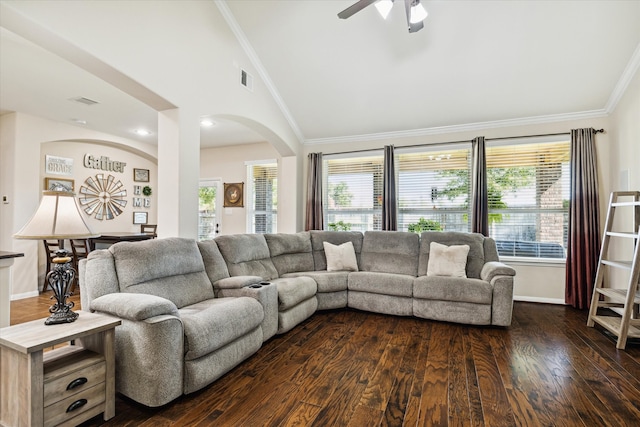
column 142, row 132
column 207, row 122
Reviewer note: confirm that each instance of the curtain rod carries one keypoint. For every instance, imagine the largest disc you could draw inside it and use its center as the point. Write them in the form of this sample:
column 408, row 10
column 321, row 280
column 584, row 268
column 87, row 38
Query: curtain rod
column 463, row 141
column 403, row 146
column 535, row 136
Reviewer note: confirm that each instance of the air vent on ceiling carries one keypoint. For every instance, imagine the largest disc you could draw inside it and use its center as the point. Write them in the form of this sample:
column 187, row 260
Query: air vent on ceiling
column 246, row 80
column 85, row 101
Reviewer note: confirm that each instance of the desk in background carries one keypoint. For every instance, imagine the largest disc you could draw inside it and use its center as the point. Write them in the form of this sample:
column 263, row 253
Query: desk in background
column 109, row 239
column 6, row 260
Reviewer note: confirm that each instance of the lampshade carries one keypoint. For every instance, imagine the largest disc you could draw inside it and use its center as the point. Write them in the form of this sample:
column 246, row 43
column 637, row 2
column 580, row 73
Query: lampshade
column 57, row 217
column 384, row 7
column 418, row 12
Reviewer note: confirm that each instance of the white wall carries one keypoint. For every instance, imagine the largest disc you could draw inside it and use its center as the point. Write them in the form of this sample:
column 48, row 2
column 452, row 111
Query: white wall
column 624, row 171
column 24, row 140
column 228, row 165
column 76, row 150
column 533, row 282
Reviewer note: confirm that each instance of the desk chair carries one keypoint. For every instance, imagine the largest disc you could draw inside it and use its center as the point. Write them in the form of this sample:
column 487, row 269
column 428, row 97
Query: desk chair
column 80, row 249
column 150, row 229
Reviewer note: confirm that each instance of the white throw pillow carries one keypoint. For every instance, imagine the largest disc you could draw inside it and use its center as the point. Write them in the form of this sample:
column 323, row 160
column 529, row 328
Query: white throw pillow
column 447, row 260
column 340, row 258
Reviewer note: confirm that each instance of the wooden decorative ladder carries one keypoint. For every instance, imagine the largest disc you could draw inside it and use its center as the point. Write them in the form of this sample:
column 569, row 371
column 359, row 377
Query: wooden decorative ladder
column 628, row 300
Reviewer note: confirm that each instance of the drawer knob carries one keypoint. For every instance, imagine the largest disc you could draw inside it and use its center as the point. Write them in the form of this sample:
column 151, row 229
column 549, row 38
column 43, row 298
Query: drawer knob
column 77, row 404
column 76, row 383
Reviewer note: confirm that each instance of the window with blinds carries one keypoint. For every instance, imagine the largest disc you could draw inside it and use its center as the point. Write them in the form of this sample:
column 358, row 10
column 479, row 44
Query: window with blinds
column 262, row 212
column 352, row 192
column 433, row 188
column 528, row 195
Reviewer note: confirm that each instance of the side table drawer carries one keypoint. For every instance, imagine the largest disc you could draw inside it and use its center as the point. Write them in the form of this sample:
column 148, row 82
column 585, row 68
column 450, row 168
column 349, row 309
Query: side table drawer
column 75, row 405
column 71, row 372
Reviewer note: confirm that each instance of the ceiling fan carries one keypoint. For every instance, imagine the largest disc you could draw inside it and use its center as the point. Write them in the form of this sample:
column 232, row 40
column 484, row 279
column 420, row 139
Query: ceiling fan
column 416, row 13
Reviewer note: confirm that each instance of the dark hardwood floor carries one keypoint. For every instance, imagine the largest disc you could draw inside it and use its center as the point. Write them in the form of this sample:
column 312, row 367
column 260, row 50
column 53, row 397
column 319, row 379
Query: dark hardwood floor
column 351, row 368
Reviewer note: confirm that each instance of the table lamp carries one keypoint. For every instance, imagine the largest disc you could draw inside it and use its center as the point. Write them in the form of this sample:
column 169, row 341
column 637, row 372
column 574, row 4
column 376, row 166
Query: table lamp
column 58, row 217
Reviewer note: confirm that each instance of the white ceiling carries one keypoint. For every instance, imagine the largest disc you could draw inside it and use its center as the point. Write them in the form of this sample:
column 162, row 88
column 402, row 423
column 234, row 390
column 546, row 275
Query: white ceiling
column 474, row 62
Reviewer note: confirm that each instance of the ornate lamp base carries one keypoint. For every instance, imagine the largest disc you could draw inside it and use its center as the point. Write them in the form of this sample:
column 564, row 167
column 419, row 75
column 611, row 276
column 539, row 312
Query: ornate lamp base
column 59, row 279
column 62, row 316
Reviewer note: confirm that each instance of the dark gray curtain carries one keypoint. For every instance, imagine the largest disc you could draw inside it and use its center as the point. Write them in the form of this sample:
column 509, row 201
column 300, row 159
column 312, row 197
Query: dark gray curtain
column 389, row 202
column 479, row 196
column 314, row 215
column 583, row 246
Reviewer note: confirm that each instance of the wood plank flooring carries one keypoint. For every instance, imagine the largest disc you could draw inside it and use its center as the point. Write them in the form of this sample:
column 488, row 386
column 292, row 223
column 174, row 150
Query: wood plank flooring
column 351, row 368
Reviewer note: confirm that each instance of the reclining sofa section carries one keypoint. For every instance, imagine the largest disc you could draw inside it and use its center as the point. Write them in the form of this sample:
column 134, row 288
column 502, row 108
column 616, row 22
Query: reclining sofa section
column 192, row 311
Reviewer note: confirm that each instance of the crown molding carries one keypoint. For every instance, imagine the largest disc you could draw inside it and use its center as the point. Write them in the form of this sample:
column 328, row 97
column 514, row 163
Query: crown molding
column 460, row 128
column 255, row 61
column 627, row 75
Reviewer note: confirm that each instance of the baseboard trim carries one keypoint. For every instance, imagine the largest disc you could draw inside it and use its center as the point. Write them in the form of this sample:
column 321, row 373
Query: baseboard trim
column 24, row 295
column 542, row 300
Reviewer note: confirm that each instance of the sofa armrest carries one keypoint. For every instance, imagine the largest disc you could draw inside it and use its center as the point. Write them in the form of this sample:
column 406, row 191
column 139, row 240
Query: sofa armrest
column 495, row 268
column 501, row 277
column 133, row 306
column 149, row 346
column 236, row 282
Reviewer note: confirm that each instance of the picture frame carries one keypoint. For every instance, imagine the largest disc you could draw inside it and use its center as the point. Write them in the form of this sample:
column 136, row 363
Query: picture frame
column 141, row 175
column 51, row 183
column 140, row 217
column 234, row 195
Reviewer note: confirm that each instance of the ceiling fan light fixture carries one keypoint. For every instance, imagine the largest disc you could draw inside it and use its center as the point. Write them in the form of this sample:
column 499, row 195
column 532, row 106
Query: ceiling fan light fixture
column 418, row 12
column 384, row 7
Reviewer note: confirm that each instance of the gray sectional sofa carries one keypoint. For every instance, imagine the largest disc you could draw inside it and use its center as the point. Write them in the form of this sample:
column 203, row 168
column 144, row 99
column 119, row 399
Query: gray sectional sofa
column 191, row 311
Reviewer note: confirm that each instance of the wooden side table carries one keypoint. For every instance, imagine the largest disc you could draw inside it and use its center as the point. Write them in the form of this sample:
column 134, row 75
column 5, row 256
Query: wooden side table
column 67, row 385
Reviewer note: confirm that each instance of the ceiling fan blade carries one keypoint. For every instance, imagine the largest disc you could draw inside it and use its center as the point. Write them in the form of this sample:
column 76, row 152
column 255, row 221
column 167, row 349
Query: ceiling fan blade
column 355, row 8
column 413, row 28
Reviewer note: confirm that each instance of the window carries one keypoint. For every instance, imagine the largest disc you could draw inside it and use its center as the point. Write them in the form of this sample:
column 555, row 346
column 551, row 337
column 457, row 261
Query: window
column 352, row 191
column 433, row 188
column 262, row 197
column 528, row 189
column 208, row 218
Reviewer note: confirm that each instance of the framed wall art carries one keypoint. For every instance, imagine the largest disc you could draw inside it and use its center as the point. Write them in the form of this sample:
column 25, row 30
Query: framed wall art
column 140, row 217
column 141, row 175
column 234, row 195
column 59, row 184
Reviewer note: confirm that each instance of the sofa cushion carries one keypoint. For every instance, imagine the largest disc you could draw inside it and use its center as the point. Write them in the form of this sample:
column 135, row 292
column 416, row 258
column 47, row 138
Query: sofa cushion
column 212, row 324
column 340, row 257
column 247, row 255
column 390, row 252
column 452, row 289
column 318, row 237
column 170, row 268
column 447, row 260
column 294, row 290
column 328, row 281
column 214, row 263
column 381, row 283
column 490, row 250
column 290, row 252
column 475, row 241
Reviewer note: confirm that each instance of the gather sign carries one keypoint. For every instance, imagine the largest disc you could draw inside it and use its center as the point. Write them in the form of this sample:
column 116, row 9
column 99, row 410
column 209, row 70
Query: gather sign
column 103, row 163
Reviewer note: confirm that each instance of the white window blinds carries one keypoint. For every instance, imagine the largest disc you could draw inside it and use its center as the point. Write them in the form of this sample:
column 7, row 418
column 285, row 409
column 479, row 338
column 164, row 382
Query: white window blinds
column 433, row 188
column 263, row 198
column 528, row 195
column 352, row 192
